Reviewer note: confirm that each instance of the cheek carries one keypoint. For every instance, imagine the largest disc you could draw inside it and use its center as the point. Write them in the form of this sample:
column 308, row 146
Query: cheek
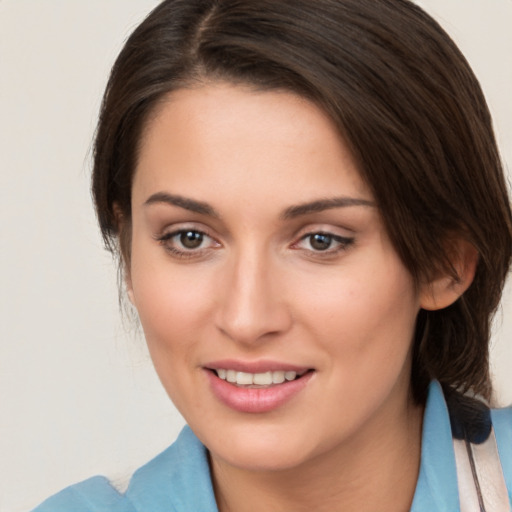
column 366, row 312
column 363, row 322
column 172, row 307
column 169, row 304
column 172, row 301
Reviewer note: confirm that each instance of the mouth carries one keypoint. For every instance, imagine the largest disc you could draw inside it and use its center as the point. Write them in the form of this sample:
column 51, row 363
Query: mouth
column 260, row 380
column 257, row 387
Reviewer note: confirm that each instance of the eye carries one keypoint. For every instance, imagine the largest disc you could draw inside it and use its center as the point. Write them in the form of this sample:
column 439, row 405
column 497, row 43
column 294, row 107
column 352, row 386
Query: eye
column 186, row 243
column 190, row 239
column 322, row 242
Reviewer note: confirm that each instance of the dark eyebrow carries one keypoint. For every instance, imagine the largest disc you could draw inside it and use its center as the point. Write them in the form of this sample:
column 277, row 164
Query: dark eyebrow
column 324, row 204
column 182, row 202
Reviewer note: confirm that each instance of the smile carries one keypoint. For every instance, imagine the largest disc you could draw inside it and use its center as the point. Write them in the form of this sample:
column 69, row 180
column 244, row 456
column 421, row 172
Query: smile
column 268, row 387
column 257, row 380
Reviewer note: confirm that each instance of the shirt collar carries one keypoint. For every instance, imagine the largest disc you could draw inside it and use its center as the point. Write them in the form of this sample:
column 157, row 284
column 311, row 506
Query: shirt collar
column 177, row 479
column 437, row 482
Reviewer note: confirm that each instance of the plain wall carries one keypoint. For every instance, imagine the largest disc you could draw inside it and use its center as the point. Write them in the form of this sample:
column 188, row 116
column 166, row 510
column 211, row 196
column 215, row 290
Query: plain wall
column 78, row 395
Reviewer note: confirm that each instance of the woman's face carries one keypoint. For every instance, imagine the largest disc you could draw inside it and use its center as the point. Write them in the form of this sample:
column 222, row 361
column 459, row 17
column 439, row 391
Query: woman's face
column 258, row 255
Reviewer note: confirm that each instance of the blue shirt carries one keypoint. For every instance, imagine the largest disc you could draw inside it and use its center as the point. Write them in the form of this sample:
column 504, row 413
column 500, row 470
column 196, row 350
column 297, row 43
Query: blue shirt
column 178, row 480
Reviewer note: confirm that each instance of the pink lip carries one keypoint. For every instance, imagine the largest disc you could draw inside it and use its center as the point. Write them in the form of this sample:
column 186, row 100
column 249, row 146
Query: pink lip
column 255, row 400
column 261, row 366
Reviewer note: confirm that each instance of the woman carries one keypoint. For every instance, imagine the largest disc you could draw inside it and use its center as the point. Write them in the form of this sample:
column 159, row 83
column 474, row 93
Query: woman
column 314, row 229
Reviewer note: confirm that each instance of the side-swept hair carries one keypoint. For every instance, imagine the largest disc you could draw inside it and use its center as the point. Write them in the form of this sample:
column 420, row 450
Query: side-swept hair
column 402, row 96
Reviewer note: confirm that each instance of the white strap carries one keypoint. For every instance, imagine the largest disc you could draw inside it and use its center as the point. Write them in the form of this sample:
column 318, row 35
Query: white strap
column 482, row 485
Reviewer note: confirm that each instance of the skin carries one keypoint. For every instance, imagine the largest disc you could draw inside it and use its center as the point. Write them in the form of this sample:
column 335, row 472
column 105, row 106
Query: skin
column 256, row 288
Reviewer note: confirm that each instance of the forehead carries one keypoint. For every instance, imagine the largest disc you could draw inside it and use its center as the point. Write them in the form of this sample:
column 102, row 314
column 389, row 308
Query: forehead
column 224, row 138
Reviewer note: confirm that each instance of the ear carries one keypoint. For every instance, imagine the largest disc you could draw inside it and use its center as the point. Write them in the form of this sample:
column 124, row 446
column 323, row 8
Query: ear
column 124, row 240
column 128, row 285
column 445, row 289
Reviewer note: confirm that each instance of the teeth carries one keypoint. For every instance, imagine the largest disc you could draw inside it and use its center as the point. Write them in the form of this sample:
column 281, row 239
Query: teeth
column 278, row 377
column 258, row 379
column 244, row 378
column 262, row 379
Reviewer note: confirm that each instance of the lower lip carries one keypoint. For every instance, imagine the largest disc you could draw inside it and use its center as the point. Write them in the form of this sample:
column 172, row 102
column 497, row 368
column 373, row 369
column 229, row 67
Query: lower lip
column 256, row 400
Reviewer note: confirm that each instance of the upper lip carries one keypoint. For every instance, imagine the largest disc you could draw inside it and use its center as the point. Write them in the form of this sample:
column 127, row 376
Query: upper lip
column 261, row 366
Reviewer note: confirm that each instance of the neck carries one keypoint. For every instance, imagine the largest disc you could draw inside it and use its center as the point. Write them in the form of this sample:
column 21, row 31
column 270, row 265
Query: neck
column 376, row 469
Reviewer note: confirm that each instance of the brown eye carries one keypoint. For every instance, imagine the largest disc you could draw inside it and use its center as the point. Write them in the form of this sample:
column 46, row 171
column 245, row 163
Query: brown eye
column 188, row 243
column 320, row 241
column 324, row 243
column 191, row 239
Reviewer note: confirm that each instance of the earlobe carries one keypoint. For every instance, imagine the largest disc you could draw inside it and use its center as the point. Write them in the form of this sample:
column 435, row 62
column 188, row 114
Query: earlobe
column 444, row 290
column 124, row 240
column 127, row 278
column 129, row 292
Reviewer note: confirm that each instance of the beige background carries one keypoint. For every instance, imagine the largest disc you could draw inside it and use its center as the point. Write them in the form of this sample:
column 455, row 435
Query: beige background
column 78, row 395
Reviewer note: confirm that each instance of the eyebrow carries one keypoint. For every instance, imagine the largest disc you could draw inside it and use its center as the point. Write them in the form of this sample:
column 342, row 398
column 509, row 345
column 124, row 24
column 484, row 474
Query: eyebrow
column 324, row 204
column 289, row 213
column 182, row 202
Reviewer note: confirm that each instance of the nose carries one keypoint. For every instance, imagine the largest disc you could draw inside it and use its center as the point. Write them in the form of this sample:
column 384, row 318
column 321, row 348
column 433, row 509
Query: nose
column 252, row 303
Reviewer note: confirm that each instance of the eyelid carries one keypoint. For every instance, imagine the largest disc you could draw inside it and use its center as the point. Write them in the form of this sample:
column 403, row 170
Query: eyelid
column 165, row 237
column 338, row 238
column 179, row 227
column 326, row 229
column 341, row 242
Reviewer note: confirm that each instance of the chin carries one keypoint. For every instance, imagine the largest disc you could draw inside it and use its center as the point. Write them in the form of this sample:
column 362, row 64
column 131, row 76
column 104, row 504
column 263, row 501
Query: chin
column 270, row 460
column 267, row 449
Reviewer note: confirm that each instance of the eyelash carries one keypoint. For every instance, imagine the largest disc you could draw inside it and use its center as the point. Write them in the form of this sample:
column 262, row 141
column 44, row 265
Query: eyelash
column 166, row 241
column 342, row 243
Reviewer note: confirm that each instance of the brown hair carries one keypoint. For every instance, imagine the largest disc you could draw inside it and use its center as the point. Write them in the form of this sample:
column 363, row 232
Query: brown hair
column 403, row 97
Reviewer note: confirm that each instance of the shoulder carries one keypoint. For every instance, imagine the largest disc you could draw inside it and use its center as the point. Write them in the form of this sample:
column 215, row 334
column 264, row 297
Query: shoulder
column 502, row 423
column 92, row 495
column 176, row 480
column 447, row 423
